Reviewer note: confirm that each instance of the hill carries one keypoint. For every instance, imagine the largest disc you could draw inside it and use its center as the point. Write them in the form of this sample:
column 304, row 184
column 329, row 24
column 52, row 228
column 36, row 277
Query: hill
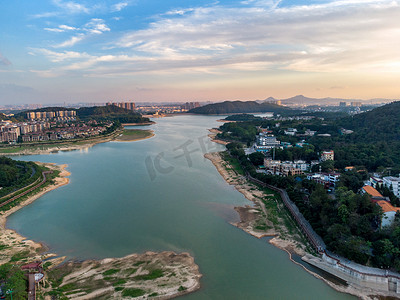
column 232, row 107
column 110, row 112
column 379, row 124
column 98, row 113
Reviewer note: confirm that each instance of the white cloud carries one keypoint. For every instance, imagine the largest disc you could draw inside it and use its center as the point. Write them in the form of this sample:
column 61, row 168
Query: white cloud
column 180, row 12
column 45, row 15
column 96, row 26
column 61, row 28
column 93, row 27
column 61, row 56
column 332, row 37
column 66, row 27
column 54, row 29
column 71, row 42
column 339, row 35
column 119, row 6
column 71, row 7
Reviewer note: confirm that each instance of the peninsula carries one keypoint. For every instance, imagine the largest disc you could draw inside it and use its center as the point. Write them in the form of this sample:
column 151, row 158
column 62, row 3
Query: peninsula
column 55, row 129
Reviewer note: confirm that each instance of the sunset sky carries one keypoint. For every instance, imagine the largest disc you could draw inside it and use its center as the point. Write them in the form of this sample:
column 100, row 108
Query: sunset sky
column 186, row 50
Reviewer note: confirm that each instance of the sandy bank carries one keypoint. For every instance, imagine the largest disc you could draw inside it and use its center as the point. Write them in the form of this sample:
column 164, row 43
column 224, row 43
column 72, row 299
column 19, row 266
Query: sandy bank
column 138, row 124
column 225, row 121
column 213, row 136
column 255, row 216
column 16, row 243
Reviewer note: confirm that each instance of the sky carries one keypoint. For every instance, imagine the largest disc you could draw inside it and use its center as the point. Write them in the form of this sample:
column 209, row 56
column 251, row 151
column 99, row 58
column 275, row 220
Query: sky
column 184, row 50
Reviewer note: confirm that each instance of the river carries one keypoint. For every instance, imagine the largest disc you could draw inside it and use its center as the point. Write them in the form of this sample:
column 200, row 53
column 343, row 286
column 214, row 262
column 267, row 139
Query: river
column 161, row 194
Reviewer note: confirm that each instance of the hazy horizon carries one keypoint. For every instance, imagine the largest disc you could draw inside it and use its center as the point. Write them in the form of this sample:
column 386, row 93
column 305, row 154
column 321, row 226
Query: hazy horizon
column 60, row 51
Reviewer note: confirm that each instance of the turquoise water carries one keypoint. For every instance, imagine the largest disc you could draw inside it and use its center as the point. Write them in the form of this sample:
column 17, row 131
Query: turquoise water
column 161, row 194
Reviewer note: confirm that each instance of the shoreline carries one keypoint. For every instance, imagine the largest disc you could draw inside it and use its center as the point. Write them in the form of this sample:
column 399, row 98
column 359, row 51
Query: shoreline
column 182, row 267
column 119, row 139
column 138, row 124
column 213, row 136
column 69, row 146
column 249, row 214
column 10, row 237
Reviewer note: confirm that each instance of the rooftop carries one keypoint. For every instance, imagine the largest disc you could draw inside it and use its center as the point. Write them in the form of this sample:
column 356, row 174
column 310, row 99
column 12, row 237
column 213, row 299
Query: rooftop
column 371, row 191
column 391, row 178
column 386, row 206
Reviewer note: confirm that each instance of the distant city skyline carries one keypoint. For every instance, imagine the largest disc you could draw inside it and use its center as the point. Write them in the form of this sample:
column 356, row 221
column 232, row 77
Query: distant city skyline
column 60, row 51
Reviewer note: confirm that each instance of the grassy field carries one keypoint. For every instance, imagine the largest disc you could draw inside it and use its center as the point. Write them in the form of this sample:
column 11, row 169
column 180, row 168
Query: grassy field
column 134, row 135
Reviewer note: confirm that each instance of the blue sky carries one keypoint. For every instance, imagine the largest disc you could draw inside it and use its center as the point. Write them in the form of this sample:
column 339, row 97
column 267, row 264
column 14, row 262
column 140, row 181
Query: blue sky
column 180, row 50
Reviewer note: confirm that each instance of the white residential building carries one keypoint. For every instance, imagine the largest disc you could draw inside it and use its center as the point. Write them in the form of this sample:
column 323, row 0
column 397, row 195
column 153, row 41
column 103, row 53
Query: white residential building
column 266, row 142
column 393, row 183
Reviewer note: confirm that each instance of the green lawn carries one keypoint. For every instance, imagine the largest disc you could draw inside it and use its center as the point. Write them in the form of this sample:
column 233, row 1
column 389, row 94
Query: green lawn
column 134, row 134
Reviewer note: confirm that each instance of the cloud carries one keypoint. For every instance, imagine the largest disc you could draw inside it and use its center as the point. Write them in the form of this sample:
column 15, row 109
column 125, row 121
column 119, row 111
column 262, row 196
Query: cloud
column 46, row 15
column 340, row 36
column 61, row 56
column 180, row 12
column 96, row 26
column 71, row 7
column 119, row 6
column 335, row 36
column 70, row 42
column 4, row 61
column 93, row 27
column 61, row 28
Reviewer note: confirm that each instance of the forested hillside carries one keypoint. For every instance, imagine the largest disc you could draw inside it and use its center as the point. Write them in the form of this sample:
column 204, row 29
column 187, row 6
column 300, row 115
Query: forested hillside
column 16, row 174
column 98, row 113
column 231, row 107
column 379, row 124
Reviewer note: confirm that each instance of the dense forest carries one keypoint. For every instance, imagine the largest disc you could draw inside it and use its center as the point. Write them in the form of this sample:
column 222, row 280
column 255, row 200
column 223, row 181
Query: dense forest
column 231, row 107
column 374, row 144
column 111, row 113
column 16, row 174
column 349, row 222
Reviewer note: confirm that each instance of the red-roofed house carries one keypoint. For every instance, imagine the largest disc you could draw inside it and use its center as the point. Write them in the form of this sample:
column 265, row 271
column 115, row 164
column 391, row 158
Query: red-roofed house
column 389, row 211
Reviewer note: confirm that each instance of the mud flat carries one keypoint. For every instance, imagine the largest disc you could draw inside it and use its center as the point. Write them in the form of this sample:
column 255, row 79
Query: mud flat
column 161, row 275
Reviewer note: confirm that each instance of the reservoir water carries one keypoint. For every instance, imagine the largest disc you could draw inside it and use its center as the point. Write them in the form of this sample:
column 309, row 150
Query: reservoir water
column 161, row 194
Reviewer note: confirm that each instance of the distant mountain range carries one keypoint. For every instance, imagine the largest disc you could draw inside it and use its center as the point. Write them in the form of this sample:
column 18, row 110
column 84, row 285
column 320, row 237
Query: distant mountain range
column 303, row 100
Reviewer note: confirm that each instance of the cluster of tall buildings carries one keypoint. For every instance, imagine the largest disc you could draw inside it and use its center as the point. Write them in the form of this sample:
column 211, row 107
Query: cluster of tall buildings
column 10, row 132
column 48, row 115
column 126, row 105
column 190, row 105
